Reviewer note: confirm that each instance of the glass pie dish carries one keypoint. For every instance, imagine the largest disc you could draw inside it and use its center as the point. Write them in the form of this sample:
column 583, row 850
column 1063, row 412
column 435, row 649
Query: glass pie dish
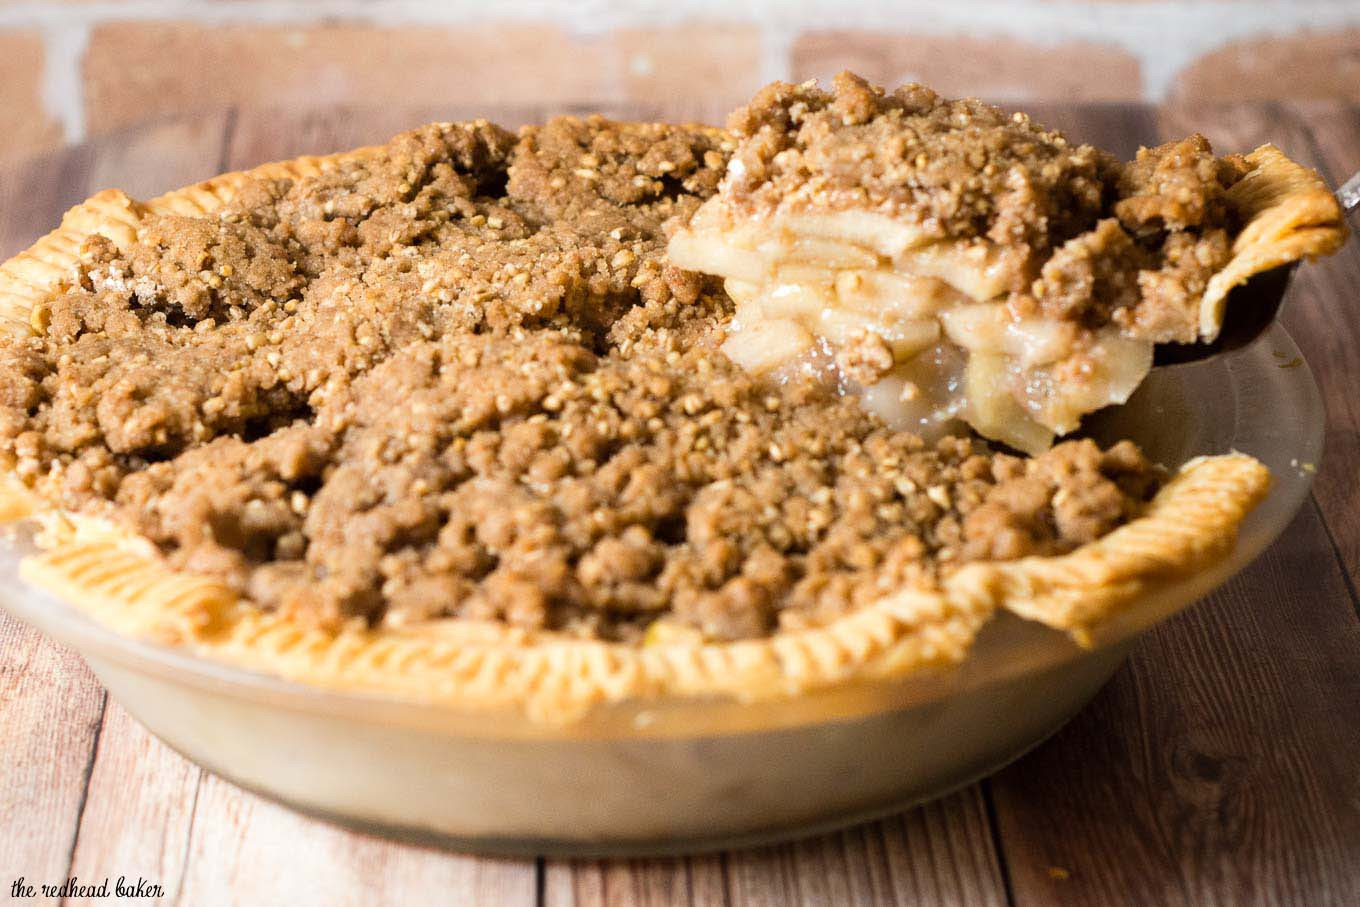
column 701, row 774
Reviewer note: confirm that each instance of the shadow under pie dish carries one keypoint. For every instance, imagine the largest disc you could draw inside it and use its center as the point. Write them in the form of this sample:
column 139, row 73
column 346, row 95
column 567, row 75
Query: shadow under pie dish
column 442, row 424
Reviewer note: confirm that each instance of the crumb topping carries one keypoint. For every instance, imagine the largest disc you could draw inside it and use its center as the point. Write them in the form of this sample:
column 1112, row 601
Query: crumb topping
column 458, row 378
column 956, row 168
column 1095, row 241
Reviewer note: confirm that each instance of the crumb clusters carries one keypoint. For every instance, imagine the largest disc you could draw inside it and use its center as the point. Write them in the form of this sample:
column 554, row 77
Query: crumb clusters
column 458, row 378
column 1097, row 241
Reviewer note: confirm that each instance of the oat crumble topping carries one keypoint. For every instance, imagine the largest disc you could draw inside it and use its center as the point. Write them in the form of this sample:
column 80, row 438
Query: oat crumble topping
column 1092, row 239
column 461, row 378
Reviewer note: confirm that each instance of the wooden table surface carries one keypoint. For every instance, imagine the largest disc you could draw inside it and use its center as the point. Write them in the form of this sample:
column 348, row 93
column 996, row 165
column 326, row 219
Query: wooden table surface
column 1220, row 765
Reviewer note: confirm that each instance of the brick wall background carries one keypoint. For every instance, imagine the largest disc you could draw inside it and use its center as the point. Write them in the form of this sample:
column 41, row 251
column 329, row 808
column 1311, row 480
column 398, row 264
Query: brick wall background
column 74, row 68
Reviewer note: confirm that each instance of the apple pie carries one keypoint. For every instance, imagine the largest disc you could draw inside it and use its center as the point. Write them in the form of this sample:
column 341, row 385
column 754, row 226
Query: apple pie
column 603, row 411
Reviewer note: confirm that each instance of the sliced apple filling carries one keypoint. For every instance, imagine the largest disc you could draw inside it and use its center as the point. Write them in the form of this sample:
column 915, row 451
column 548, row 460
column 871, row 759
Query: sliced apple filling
column 918, row 327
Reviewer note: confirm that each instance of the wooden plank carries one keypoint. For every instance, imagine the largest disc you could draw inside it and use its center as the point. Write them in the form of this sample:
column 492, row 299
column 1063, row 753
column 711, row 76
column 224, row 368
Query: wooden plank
column 244, row 850
column 50, row 707
column 152, row 814
column 138, row 809
column 34, row 192
column 940, row 853
column 1218, row 766
column 166, row 154
column 1117, row 128
column 644, row 883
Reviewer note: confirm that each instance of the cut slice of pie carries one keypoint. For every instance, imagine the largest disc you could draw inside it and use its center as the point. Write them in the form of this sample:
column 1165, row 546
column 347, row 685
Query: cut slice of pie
column 947, row 262
column 457, row 418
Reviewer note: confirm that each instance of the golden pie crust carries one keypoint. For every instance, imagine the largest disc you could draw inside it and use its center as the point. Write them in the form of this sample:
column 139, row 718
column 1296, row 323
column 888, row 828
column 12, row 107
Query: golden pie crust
column 120, row 581
column 1288, row 214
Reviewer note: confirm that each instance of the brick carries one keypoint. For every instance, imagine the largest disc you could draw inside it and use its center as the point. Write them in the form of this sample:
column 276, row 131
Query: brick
column 1000, row 69
column 1309, row 64
column 137, row 70
column 25, row 124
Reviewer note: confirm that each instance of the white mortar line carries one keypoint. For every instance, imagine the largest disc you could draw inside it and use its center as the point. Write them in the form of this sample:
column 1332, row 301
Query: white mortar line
column 776, row 52
column 63, row 89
